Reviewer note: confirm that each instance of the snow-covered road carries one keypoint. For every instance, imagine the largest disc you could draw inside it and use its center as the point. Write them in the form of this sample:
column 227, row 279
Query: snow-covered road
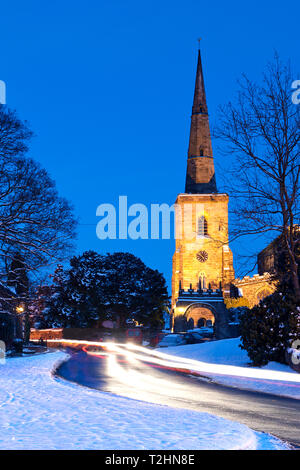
column 38, row 411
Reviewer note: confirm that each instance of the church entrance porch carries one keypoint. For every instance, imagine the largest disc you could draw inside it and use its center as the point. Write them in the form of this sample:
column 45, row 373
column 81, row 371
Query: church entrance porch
column 198, row 317
column 197, row 308
column 195, row 315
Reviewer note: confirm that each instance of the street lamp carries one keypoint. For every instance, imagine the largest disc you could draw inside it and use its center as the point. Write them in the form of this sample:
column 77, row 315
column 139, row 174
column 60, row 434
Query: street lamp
column 20, row 309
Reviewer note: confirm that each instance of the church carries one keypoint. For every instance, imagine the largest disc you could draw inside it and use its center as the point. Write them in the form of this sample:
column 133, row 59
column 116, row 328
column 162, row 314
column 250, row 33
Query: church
column 203, row 278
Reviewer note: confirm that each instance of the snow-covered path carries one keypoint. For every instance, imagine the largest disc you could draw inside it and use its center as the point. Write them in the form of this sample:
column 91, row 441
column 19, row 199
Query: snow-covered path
column 38, row 411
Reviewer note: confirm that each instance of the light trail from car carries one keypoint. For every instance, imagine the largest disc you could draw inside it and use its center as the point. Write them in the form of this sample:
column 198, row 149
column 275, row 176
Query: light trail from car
column 184, row 365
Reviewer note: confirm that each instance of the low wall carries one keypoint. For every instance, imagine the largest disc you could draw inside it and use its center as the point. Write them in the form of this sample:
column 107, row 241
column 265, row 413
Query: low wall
column 87, row 334
column 51, row 333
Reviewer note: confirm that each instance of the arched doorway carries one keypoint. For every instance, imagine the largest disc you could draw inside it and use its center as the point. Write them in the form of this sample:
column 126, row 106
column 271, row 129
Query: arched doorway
column 201, row 315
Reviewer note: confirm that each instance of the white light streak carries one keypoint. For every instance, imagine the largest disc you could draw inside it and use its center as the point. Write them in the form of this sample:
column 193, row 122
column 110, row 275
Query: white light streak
column 134, row 352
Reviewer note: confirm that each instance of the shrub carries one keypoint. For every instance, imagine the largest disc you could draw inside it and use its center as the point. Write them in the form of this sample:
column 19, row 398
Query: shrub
column 269, row 328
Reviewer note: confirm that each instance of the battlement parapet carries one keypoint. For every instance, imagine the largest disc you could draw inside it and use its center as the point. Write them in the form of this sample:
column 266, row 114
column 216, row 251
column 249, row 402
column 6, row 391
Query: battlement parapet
column 253, row 279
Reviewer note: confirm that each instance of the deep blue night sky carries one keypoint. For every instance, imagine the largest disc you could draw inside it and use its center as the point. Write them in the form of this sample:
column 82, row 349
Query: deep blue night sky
column 107, row 87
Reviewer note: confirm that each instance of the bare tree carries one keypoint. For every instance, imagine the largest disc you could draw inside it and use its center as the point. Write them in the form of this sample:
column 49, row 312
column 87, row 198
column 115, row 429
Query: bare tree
column 261, row 130
column 36, row 224
column 14, row 134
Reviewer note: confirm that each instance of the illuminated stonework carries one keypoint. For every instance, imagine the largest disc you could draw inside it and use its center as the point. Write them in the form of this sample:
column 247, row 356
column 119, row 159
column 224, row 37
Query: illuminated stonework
column 217, row 265
column 255, row 288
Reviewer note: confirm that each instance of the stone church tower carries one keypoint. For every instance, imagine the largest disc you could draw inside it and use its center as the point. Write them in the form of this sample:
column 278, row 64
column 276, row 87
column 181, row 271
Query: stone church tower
column 202, row 262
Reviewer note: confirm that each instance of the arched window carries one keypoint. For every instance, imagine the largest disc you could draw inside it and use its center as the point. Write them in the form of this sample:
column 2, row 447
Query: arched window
column 201, row 152
column 190, row 324
column 202, row 280
column 201, row 322
column 202, row 229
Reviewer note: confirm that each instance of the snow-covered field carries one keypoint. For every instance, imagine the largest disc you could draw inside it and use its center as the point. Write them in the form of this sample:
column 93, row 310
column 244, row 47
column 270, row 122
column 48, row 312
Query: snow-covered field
column 38, row 411
column 227, row 352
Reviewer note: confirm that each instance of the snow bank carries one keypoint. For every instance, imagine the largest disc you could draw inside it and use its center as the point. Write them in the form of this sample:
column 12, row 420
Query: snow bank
column 38, row 411
column 228, row 352
column 219, row 352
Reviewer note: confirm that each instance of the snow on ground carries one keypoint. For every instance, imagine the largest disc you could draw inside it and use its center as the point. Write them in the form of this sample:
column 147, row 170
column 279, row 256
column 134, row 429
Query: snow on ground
column 228, row 352
column 38, row 411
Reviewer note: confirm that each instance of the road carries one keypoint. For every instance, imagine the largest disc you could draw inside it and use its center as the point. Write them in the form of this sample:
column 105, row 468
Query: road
column 133, row 377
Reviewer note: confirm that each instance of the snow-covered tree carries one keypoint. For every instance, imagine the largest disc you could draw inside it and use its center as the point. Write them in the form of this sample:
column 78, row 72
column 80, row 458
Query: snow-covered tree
column 37, row 304
column 131, row 290
column 116, row 286
column 74, row 300
column 268, row 329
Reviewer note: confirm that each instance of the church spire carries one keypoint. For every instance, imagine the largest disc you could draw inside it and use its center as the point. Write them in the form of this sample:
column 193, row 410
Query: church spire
column 199, row 104
column 200, row 177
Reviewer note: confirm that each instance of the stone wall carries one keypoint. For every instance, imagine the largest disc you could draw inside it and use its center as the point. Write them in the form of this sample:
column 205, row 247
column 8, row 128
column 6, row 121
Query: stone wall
column 255, row 288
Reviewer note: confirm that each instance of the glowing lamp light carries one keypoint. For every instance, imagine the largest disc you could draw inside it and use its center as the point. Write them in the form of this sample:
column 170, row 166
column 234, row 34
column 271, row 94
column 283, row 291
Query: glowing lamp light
column 180, row 310
column 20, row 309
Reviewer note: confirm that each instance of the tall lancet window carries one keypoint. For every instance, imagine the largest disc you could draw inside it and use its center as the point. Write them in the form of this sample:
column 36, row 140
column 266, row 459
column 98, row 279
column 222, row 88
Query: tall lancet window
column 202, row 228
column 202, row 280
